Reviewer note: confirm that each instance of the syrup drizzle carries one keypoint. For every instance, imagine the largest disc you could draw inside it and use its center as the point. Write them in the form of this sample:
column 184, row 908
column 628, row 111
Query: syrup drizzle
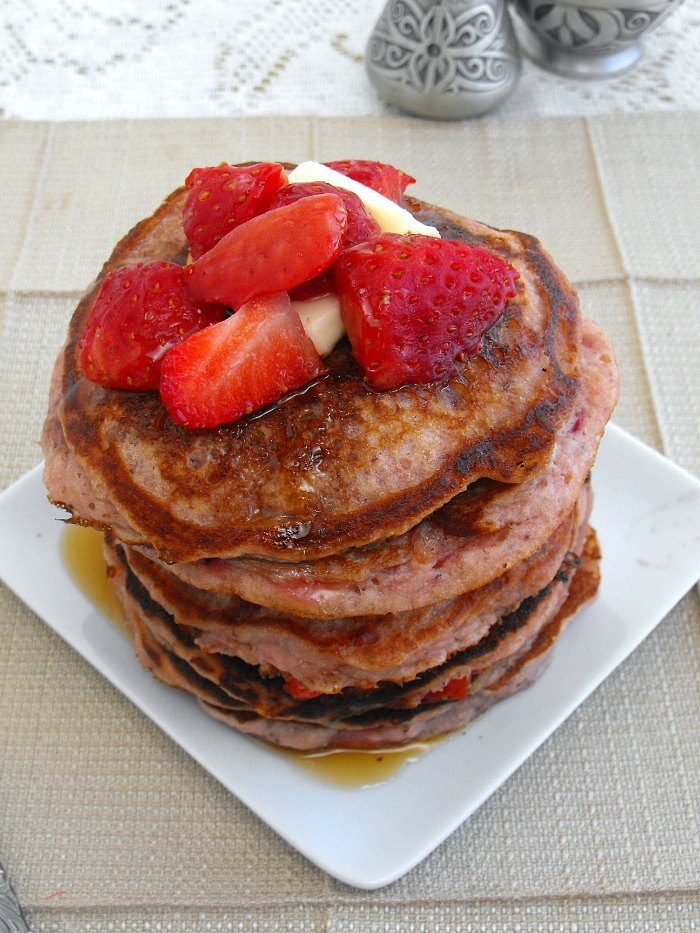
column 81, row 552
column 361, row 768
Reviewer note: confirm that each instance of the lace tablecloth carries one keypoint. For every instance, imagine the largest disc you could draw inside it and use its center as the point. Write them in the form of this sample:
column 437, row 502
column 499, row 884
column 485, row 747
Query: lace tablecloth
column 102, row 59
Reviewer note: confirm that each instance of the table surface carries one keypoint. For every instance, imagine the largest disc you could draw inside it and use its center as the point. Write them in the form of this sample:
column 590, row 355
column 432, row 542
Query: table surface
column 105, row 824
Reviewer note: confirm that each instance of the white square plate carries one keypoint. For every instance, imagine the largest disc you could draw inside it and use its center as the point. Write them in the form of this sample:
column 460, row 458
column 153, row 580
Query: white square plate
column 647, row 515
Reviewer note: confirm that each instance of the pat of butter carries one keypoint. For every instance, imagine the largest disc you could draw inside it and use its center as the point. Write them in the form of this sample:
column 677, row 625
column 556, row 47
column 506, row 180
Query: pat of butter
column 390, row 217
column 322, row 321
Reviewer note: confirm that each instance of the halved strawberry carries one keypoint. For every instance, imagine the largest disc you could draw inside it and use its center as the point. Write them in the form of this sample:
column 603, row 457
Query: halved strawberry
column 223, row 197
column 360, row 226
column 140, row 313
column 272, row 252
column 387, row 180
column 412, row 305
column 248, row 361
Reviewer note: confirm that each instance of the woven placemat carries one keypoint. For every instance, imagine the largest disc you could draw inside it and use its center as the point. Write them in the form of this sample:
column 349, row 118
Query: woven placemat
column 103, row 820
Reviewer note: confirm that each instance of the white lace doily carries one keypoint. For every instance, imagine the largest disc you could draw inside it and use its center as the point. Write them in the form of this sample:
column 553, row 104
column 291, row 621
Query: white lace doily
column 102, row 59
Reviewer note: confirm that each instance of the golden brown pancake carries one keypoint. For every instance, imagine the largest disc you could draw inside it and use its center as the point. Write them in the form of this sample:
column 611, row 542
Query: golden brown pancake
column 321, row 572
column 476, row 536
column 337, row 465
column 507, row 659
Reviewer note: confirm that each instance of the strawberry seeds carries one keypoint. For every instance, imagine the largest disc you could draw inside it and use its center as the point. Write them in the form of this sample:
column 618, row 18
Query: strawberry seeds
column 221, row 338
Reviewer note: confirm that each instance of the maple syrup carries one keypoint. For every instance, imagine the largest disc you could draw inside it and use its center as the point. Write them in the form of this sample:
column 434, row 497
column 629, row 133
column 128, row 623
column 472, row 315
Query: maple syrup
column 362, row 768
column 81, row 551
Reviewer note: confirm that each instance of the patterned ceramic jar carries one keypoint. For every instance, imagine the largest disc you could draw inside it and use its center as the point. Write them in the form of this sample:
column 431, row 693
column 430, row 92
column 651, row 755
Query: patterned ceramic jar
column 446, row 59
column 587, row 40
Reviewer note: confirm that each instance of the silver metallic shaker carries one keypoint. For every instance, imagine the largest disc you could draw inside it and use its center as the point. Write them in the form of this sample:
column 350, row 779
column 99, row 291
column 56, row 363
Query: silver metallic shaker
column 587, row 38
column 12, row 919
column 446, row 59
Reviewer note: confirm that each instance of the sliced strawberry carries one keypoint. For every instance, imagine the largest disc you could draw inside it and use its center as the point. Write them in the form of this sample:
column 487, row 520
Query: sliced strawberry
column 299, row 691
column 387, row 180
column 242, row 364
column 140, row 313
column 272, row 252
column 223, row 197
column 455, row 689
column 360, row 226
column 412, row 305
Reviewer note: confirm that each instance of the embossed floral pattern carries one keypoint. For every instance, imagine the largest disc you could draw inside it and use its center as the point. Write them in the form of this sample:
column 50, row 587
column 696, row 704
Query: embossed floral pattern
column 582, row 27
column 11, row 919
column 443, row 47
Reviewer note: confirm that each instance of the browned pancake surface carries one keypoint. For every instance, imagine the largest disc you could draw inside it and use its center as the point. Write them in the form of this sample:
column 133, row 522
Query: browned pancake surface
column 481, row 661
column 329, row 655
column 334, row 466
column 393, row 723
column 475, row 537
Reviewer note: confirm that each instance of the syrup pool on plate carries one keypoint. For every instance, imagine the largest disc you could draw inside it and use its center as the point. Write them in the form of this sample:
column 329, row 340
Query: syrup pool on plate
column 360, row 768
column 81, row 551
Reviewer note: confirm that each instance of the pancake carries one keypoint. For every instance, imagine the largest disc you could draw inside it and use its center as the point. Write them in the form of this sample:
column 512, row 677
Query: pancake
column 475, row 537
column 360, row 651
column 402, row 726
column 349, row 567
column 328, row 468
column 264, row 690
column 499, row 667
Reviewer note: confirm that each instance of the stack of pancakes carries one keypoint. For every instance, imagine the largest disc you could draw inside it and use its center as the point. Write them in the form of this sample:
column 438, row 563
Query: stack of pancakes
column 351, row 568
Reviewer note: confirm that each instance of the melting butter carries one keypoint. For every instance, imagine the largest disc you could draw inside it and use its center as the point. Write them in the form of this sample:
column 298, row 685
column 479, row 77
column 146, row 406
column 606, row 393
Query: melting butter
column 390, row 216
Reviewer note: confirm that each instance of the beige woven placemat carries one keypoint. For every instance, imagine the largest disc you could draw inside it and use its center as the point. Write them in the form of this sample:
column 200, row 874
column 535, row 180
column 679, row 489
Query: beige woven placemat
column 104, row 822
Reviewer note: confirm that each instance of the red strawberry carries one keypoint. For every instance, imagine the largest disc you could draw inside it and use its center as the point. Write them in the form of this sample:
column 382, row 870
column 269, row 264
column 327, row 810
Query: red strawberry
column 387, row 180
column 272, row 252
column 299, row 691
column 455, row 689
column 223, row 197
column 360, row 226
column 414, row 304
column 140, row 313
column 240, row 365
